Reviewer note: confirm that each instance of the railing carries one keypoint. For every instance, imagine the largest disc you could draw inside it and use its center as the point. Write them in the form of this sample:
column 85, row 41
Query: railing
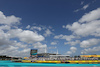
column 64, row 59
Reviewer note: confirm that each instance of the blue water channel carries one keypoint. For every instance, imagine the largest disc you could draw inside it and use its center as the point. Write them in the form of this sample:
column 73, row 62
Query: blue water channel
column 15, row 64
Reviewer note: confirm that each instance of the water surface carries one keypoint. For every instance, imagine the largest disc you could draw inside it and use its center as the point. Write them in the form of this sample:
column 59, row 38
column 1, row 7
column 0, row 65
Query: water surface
column 13, row 64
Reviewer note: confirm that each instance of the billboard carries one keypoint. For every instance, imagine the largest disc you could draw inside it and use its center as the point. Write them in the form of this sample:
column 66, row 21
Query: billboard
column 33, row 52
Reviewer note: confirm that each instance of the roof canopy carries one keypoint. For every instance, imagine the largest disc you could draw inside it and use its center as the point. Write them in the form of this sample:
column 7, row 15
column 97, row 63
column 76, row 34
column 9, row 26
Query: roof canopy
column 59, row 55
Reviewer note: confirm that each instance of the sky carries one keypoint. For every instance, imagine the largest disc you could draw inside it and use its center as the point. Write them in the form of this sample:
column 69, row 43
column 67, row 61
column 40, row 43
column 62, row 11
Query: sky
column 71, row 27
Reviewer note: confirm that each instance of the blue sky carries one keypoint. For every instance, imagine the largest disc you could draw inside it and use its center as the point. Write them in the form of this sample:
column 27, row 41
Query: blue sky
column 69, row 26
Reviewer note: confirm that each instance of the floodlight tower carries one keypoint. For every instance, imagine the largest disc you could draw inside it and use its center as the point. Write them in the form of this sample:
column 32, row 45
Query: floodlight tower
column 57, row 51
column 45, row 50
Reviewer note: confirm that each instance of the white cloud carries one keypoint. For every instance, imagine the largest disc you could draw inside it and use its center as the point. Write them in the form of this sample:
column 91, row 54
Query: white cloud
column 30, row 37
column 36, row 28
column 68, row 52
column 8, row 50
column 10, row 47
column 73, row 49
column 90, row 50
column 12, row 38
column 89, row 43
column 14, row 32
column 26, row 35
column 41, row 47
column 77, row 10
column 88, row 24
column 63, row 26
column 5, row 27
column 66, row 37
column 92, row 15
column 9, row 20
column 20, row 44
column 58, row 36
column 51, row 47
column 85, row 29
column 4, row 38
column 47, row 33
column 28, row 27
column 72, row 42
column 22, row 53
column 53, row 43
column 83, row 8
column 14, row 51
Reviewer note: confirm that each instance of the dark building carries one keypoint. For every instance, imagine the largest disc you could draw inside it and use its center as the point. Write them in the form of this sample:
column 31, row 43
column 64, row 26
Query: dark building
column 33, row 53
column 4, row 57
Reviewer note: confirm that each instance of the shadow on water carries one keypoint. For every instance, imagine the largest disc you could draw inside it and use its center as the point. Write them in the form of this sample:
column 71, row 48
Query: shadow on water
column 12, row 64
column 50, row 66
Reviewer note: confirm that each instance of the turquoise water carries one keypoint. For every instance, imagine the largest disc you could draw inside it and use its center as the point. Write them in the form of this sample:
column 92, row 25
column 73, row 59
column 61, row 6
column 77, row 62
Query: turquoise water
column 13, row 64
